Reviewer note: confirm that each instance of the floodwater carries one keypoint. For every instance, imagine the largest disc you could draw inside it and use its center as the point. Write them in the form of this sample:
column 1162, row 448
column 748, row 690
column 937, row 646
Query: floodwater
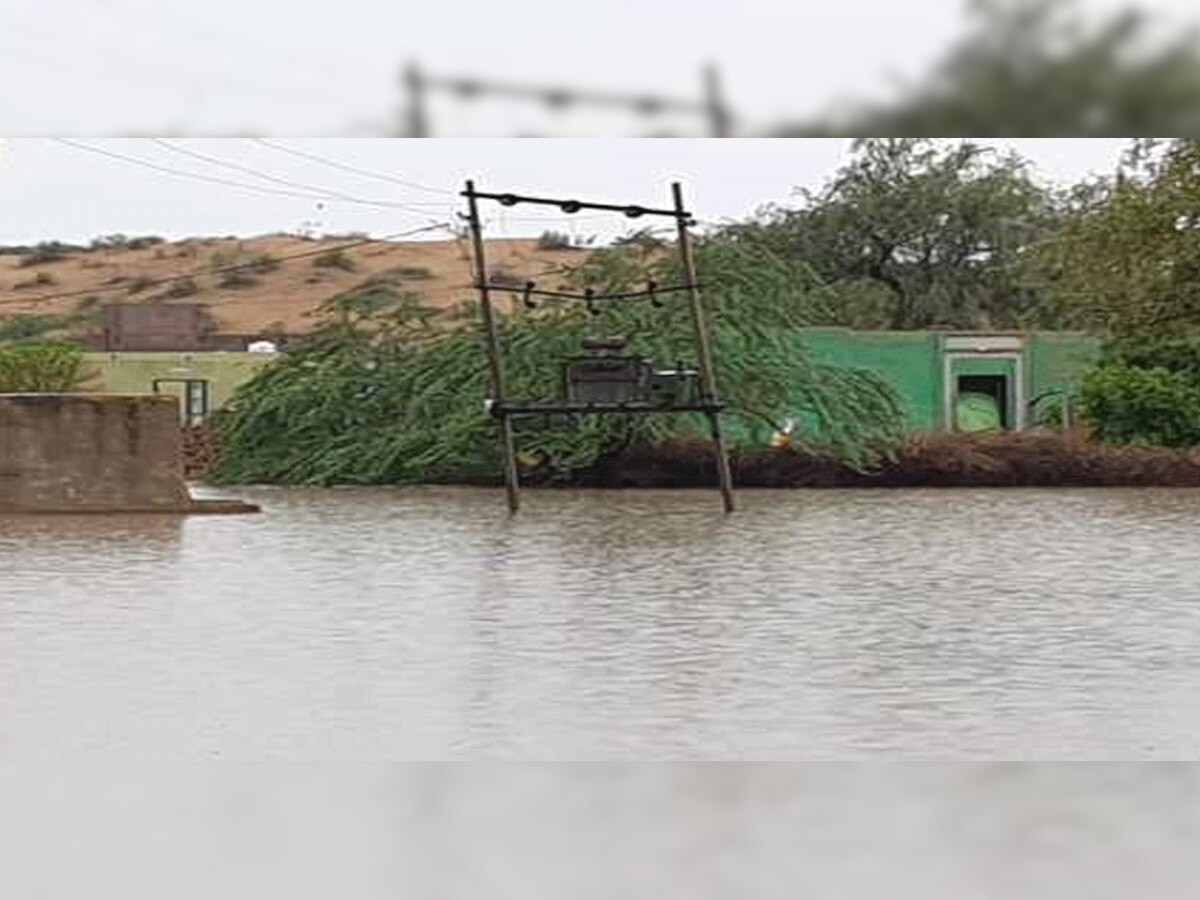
column 346, row 625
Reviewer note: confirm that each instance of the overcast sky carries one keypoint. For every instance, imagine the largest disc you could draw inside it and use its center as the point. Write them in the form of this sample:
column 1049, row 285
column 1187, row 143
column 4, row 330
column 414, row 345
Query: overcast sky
column 53, row 191
column 312, row 68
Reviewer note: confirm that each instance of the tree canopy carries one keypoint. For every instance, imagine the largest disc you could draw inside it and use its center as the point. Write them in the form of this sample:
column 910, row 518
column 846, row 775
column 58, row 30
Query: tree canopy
column 375, row 395
column 912, row 234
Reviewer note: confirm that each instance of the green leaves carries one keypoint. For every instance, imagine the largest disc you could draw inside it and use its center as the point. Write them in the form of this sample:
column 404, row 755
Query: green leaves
column 376, row 396
column 46, row 367
column 913, row 235
column 1128, row 404
column 1128, row 261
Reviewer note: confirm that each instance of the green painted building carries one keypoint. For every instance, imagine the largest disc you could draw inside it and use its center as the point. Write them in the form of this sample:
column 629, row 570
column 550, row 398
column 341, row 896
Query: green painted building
column 948, row 380
column 965, row 380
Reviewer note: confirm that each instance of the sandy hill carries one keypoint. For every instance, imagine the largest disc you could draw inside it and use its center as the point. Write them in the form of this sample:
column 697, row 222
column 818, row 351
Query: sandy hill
column 273, row 293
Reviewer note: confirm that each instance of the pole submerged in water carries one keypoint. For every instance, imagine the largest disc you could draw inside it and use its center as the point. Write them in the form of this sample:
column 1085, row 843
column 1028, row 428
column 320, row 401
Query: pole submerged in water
column 630, row 384
column 708, row 380
column 495, row 362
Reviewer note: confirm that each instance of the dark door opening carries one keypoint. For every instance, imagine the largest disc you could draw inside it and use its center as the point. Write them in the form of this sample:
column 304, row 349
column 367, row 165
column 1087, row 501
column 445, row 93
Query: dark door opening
column 983, row 403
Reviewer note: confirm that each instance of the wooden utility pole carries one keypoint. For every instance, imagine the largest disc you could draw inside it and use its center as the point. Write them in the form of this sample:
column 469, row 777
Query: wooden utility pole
column 708, row 379
column 495, row 361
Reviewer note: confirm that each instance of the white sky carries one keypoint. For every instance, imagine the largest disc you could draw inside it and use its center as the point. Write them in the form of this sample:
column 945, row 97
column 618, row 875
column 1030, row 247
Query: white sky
column 51, row 191
column 109, row 67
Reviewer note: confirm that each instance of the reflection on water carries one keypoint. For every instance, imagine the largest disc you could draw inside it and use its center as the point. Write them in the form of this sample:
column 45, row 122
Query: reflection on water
column 388, row 624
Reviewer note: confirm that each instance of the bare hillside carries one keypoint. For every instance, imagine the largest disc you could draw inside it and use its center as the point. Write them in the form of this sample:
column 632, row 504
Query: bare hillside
column 266, row 292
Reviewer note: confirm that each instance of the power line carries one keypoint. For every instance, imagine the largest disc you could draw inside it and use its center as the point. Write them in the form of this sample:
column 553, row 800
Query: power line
column 182, row 173
column 218, row 270
column 238, row 167
column 313, row 157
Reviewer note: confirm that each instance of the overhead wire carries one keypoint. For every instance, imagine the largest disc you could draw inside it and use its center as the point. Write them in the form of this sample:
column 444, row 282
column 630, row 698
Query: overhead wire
column 314, row 157
column 182, row 173
column 266, row 176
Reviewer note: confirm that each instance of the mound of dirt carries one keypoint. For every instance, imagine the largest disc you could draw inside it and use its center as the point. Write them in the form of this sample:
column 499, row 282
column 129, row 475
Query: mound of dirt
column 273, row 294
column 1002, row 459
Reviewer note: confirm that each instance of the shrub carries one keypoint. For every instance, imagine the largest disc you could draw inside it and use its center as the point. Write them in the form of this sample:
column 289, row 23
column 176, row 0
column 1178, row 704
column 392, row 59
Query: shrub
column 43, row 367
column 254, row 263
column 238, row 278
column 139, row 284
column 41, row 279
column 1177, row 353
column 45, row 252
column 335, row 259
column 180, row 288
column 1128, row 404
column 124, row 242
column 399, row 274
column 555, row 240
column 22, row 327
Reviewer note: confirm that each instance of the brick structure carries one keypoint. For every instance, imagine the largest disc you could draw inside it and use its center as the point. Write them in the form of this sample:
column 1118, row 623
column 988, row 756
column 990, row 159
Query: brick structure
column 154, row 326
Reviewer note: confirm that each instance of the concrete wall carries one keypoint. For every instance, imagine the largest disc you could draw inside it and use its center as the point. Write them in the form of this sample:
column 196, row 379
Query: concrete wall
column 81, row 452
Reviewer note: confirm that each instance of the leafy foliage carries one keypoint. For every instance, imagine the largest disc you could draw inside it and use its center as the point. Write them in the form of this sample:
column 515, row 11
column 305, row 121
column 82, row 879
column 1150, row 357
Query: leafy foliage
column 22, row 327
column 377, row 395
column 46, row 252
column 335, row 259
column 1128, row 404
column 914, row 235
column 1128, row 261
column 43, row 367
column 1177, row 352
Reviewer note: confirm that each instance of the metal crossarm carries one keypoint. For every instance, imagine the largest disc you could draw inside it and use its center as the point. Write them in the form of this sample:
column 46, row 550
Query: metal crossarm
column 633, row 211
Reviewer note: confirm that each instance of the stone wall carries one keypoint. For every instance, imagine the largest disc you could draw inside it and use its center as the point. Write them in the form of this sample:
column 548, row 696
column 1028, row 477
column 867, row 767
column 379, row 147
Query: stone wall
column 91, row 453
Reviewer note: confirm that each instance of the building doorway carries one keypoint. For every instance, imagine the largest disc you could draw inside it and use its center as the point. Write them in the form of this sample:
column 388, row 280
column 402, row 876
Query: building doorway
column 982, row 403
column 192, row 394
column 983, row 390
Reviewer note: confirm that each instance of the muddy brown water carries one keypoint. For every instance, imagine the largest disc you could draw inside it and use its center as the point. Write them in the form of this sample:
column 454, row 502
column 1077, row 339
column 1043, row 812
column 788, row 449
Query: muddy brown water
column 402, row 624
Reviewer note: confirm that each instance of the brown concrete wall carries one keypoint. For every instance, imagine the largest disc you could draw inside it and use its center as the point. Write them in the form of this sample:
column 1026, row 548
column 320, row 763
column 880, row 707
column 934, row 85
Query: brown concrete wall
column 90, row 452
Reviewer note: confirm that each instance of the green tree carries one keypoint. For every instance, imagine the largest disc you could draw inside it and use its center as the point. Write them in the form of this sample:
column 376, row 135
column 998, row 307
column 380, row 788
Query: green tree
column 1127, row 261
column 43, row 367
column 374, row 395
column 913, row 235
